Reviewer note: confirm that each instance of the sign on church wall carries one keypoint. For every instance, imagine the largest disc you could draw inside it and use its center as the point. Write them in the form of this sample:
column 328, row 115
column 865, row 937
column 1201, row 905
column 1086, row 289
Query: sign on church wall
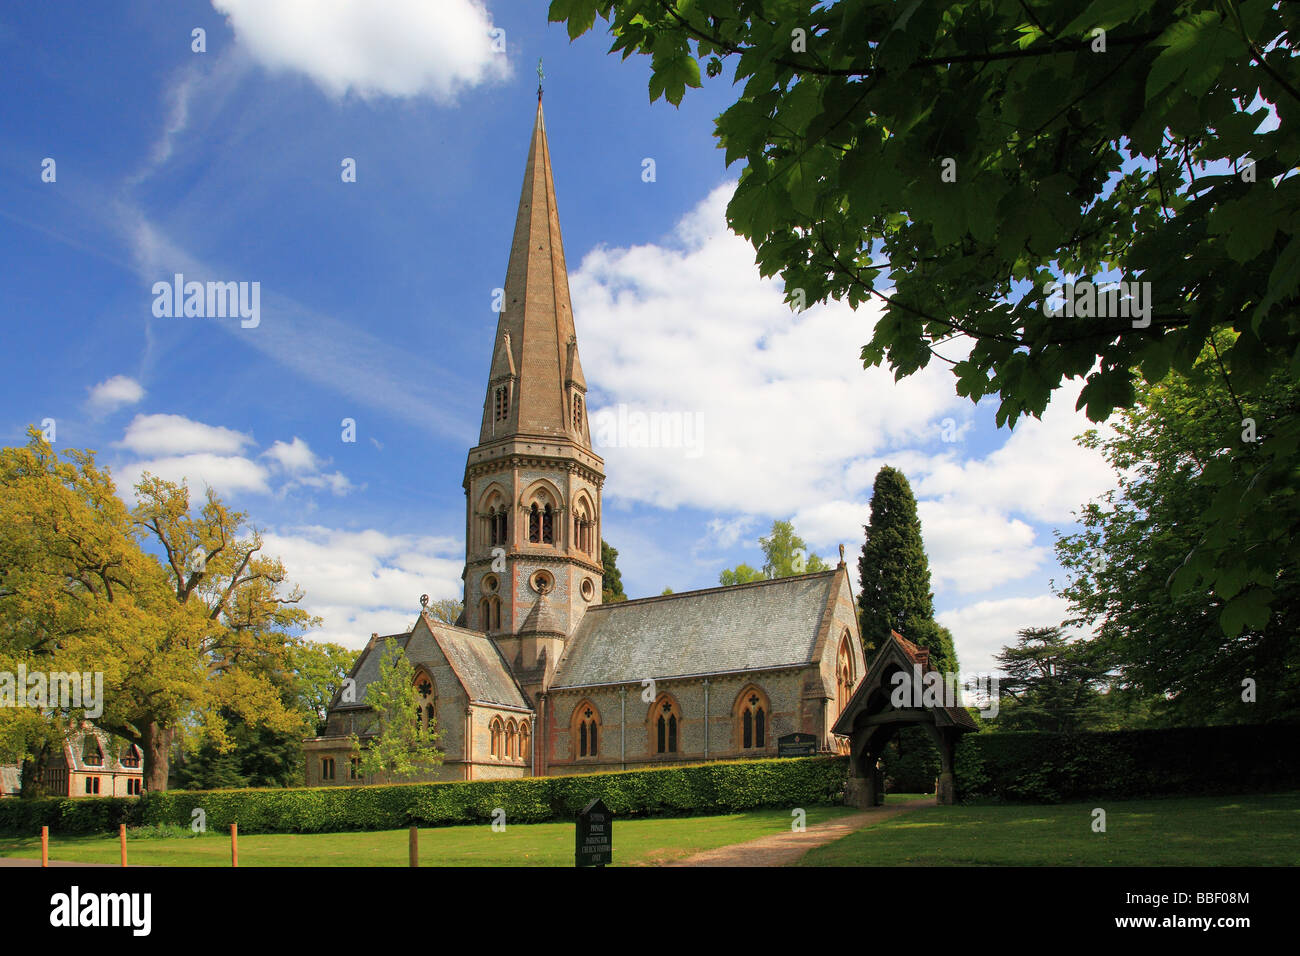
column 796, row 745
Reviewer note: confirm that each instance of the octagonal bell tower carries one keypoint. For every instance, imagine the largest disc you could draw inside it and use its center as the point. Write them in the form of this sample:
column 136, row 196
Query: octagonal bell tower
column 533, row 482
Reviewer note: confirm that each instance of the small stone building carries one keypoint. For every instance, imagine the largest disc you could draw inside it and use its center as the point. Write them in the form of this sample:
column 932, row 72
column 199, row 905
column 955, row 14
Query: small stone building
column 538, row 676
column 94, row 764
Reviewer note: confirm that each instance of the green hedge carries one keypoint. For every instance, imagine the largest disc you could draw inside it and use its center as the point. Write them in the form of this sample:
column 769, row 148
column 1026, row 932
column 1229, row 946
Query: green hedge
column 1050, row 768
column 695, row 789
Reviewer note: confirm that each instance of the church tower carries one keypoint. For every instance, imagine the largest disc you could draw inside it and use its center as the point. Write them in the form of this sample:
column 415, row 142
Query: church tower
column 533, row 482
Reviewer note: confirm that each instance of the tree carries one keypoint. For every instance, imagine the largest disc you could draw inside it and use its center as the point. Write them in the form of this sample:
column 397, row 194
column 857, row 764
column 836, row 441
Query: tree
column 740, row 574
column 320, row 669
column 895, row 574
column 786, row 555
column 1050, row 683
column 397, row 745
column 447, row 610
column 1177, row 460
column 975, row 155
column 189, row 638
column 611, row 590
column 257, row 755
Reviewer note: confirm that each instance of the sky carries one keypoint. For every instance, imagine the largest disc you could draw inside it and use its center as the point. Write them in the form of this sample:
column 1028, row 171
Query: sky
column 228, row 163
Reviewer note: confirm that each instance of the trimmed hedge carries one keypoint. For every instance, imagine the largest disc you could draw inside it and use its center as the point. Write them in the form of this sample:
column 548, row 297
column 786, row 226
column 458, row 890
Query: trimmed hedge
column 695, row 789
column 1051, row 768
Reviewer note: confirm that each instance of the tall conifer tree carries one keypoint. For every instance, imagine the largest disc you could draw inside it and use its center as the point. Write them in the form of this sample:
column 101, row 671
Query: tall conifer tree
column 896, row 574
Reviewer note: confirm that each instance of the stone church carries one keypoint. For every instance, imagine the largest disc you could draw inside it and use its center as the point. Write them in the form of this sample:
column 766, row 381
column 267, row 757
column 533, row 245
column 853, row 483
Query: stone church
column 538, row 676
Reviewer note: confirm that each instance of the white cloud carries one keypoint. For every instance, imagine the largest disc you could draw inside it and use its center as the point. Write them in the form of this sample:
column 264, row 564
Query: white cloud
column 178, row 435
column 974, row 547
column 790, row 422
column 227, row 474
column 981, row 630
column 373, row 47
column 361, row 582
column 114, row 393
column 335, row 481
column 293, row 456
column 715, row 342
column 1039, row 471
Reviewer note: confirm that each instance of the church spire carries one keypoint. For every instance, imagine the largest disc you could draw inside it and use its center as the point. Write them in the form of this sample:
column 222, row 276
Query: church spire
column 536, row 386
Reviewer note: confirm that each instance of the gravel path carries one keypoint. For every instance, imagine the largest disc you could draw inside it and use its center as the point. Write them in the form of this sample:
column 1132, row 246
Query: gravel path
column 783, row 849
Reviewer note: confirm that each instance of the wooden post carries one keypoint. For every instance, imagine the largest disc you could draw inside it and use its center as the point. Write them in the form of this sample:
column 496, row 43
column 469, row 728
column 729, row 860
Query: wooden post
column 121, row 835
column 413, row 847
column 45, row 846
column 234, row 844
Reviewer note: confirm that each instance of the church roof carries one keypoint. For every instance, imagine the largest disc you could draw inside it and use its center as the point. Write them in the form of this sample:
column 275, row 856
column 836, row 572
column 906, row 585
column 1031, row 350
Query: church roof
column 473, row 656
column 478, row 665
column 870, row 697
column 767, row 624
column 535, row 341
column 541, row 619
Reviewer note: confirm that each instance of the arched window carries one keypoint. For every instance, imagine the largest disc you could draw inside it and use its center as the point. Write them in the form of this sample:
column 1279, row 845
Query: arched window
column 498, row 737
column 425, row 699
column 500, row 403
column 525, row 741
column 844, row 676
column 493, row 520
column 583, row 527
column 541, row 519
column 132, row 757
column 512, row 739
column 664, row 721
column 752, row 715
column 577, row 413
column 489, row 609
column 91, row 753
column 586, row 730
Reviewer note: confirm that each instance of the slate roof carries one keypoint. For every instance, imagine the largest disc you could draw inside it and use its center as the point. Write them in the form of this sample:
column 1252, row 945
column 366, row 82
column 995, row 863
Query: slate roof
column 473, row 656
column 478, row 664
column 541, row 619
column 766, row 624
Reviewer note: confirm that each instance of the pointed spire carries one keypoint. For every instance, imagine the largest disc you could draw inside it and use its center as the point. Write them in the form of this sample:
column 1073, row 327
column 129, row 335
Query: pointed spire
column 535, row 358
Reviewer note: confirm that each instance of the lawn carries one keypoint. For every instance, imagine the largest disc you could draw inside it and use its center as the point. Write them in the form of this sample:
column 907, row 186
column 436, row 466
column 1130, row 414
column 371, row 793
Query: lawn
column 1254, row 830
column 636, row 842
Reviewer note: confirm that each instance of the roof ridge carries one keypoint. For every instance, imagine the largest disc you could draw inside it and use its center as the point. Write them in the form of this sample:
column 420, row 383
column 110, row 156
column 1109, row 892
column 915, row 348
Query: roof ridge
column 721, row 587
column 456, row 627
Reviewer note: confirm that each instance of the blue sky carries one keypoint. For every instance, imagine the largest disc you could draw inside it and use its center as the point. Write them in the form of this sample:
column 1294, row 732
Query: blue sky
column 376, row 305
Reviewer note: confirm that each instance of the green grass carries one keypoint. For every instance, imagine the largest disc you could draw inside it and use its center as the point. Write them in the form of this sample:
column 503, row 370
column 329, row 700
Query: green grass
column 1254, row 830
column 636, row 842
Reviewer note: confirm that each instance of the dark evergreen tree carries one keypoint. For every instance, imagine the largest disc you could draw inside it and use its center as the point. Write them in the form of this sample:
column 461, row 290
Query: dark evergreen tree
column 896, row 596
column 896, row 574
column 1051, row 683
column 611, row 591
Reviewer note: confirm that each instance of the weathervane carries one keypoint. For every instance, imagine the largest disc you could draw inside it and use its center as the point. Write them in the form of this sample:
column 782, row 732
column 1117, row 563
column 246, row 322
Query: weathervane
column 424, row 601
column 540, row 76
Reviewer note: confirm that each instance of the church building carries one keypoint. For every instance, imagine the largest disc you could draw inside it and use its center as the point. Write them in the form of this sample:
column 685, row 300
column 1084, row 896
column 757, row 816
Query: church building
column 538, row 676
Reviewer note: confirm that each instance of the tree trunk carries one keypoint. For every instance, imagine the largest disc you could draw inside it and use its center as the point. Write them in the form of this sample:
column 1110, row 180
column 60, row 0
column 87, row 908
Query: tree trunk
column 33, row 777
column 156, row 744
